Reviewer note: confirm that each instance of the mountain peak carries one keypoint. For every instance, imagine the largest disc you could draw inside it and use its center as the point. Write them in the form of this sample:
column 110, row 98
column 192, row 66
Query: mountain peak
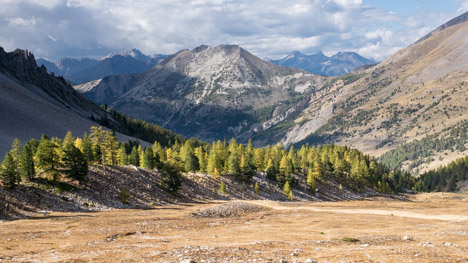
column 134, row 53
column 319, row 63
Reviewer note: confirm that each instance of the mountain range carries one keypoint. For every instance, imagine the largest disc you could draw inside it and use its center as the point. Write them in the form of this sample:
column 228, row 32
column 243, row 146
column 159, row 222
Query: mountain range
column 81, row 70
column 318, row 63
column 209, row 92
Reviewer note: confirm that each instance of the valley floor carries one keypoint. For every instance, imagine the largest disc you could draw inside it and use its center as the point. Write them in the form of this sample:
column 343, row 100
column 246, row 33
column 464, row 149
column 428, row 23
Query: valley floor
column 427, row 228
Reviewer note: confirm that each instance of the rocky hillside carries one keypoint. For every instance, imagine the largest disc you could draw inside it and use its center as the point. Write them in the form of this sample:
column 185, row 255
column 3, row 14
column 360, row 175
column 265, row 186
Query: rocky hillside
column 414, row 103
column 34, row 102
column 208, row 92
column 86, row 69
column 318, row 63
column 132, row 187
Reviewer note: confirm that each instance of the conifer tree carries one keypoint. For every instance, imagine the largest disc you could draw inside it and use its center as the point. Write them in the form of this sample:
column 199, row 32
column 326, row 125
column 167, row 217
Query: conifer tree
column 258, row 159
column 15, row 152
column 74, row 162
column 123, row 155
column 271, row 171
column 47, row 157
column 134, row 157
column 234, row 164
column 311, row 181
column 8, row 170
column 68, row 139
column 171, row 176
column 286, row 188
column 87, row 149
column 222, row 188
column 78, row 143
column 98, row 137
column 214, row 161
column 27, row 163
column 112, row 147
column 257, row 188
column 148, row 158
column 191, row 161
column 290, row 195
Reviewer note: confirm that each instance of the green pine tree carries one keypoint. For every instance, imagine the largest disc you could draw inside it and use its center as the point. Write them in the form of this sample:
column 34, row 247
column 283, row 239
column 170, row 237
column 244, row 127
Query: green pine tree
column 123, row 155
column 148, row 158
column 257, row 188
column 222, row 188
column 87, row 149
column 8, row 175
column 191, row 161
column 27, row 163
column 47, row 157
column 74, row 163
column 134, row 157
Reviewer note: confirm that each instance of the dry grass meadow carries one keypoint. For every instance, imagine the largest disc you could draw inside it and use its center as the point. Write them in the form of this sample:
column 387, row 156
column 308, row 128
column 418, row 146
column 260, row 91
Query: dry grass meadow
column 426, row 228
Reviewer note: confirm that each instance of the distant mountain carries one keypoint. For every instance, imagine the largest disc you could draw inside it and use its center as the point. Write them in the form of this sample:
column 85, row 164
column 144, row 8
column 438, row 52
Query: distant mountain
column 33, row 102
column 86, row 69
column 318, row 63
column 208, row 92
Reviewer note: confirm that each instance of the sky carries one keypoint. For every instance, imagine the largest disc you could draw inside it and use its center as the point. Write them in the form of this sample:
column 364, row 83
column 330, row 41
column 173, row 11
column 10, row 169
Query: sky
column 54, row 29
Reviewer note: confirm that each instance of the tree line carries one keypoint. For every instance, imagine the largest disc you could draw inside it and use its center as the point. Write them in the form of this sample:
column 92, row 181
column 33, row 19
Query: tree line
column 444, row 178
column 71, row 156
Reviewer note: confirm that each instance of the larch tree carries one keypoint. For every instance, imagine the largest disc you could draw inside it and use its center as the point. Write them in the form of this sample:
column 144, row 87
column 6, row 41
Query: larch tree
column 311, row 181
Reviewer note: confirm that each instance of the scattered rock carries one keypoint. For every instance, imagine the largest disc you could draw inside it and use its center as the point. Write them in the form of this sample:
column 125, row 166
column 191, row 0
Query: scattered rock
column 406, row 238
column 364, row 245
column 230, row 209
column 187, row 261
column 447, row 244
column 283, row 261
column 309, row 260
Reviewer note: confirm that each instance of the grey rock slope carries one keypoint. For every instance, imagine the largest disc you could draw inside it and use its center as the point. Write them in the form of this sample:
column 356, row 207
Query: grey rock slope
column 318, row 63
column 208, row 92
column 33, row 102
column 86, row 69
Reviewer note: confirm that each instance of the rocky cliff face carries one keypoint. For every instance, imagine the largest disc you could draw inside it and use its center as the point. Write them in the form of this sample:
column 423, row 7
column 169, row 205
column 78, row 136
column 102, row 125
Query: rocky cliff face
column 208, row 92
column 86, row 69
column 318, row 63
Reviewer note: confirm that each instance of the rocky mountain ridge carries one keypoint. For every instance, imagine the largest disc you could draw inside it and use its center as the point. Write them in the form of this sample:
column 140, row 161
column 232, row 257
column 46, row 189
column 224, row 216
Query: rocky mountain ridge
column 318, row 63
column 81, row 70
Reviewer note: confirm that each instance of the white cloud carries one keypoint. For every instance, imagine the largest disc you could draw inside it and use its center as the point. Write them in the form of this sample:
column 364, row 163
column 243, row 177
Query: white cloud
column 19, row 21
column 58, row 28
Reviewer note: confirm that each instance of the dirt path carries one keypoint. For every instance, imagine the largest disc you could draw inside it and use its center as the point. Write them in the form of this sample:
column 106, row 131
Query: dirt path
column 454, row 218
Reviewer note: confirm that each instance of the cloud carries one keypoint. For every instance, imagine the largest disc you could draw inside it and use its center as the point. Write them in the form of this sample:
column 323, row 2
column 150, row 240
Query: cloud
column 273, row 28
